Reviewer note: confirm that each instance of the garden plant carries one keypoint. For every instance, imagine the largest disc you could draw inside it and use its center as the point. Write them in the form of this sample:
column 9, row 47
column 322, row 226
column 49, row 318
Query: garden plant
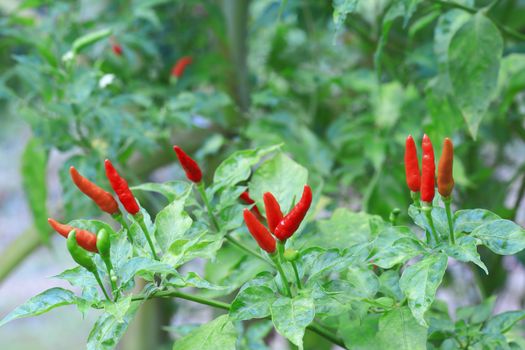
column 270, row 162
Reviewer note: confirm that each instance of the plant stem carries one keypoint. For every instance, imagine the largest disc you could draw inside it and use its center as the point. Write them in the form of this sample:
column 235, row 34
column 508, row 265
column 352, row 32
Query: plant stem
column 427, row 209
column 18, row 250
column 296, row 272
column 99, row 281
column 415, row 198
column 279, row 267
column 244, row 248
column 120, row 219
column 316, row 328
column 213, row 219
column 325, row 333
column 202, row 192
column 142, row 223
column 447, row 201
column 177, row 294
column 280, row 250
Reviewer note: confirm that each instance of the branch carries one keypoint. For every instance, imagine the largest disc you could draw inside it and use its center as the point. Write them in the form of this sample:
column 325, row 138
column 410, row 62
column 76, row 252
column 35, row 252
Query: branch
column 17, row 251
column 506, row 30
column 316, row 328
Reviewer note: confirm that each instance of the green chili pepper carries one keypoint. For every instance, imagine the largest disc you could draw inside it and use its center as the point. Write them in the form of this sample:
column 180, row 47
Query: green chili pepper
column 104, row 247
column 81, row 256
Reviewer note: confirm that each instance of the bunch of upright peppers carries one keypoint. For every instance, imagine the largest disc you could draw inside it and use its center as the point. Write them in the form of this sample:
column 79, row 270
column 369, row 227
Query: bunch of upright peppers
column 424, row 183
column 282, row 227
column 80, row 242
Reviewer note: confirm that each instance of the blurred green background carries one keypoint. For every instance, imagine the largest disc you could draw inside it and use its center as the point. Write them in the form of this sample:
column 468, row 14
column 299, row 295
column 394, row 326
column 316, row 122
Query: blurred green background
column 339, row 83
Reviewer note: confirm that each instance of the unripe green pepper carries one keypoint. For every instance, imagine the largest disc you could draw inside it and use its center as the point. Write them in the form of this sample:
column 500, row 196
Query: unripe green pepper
column 291, row 255
column 104, row 247
column 81, row 256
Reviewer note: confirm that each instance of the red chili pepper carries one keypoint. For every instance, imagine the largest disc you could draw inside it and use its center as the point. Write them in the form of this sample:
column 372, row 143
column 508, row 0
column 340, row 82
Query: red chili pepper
column 178, row 68
column 121, row 188
column 245, row 197
column 413, row 177
column 103, row 199
column 117, row 49
column 193, row 172
column 85, row 239
column 445, row 179
column 428, row 167
column 291, row 222
column 274, row 214
column 259, row 232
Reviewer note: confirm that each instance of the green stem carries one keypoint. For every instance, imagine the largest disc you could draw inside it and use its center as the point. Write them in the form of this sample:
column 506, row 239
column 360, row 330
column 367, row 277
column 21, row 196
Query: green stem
column 120, row 219
column 447, row 201
column 109, row 268
column 244, row 248
column 415, row 198
column 296, row 272
column 202, row 192
column 280, row 250
column 275, row 258
column 18, row 250
column 99, row 281
column 142, row 223
column 325, row 333
column 427, row 209
column 213, row 219
column 316, row 328
column 177, row 294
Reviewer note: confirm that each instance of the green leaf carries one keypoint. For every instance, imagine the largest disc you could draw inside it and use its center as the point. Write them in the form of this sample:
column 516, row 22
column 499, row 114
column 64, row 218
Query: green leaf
column 343, row 230
column 274, row 176
column 465, row 221
column 341, row 9
column 237, row 167
column 394, row 245
column 80, row 277
column 389, row 284
column 448, row 24
column 420, row 282
column 466, row 250
column 144, row 267
column 34, row 167
column 335, row 297
column 319, row 262
column 399, row 330
column 503, row 322
column 171, row 224
column 361, row 334
column 474, row 58
column 192, row 279
column 89, row 39
column 42, row 303
column 363, row 280
column 218, row 334
column 252, row 302
column 477, row 313
column 503, row 237
column 108, row 329
column 204, row 245
column 172, row 190
column 439, row 217
column 292, row 316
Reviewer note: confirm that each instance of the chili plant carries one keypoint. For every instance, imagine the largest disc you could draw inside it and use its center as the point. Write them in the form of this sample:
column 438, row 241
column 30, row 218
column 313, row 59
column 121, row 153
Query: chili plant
column 355, row 279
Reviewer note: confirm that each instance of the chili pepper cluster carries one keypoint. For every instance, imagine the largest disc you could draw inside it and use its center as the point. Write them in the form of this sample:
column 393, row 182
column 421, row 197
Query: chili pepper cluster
column 425, row 182
column 282, row 227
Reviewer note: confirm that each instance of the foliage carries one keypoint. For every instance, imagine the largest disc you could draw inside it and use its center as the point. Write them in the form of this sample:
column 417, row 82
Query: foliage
column 381, row 285
column 323, row 93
